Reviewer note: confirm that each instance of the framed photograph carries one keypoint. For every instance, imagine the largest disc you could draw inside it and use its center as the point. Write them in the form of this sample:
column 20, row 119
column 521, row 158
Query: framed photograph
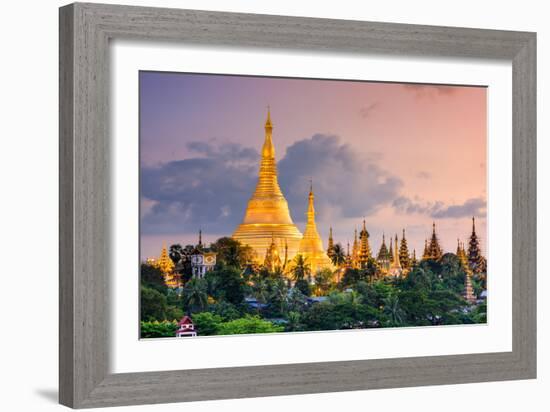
column 256, row 205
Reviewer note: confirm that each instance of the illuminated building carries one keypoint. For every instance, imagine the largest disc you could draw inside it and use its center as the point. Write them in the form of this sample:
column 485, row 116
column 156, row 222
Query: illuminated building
column 267, row 216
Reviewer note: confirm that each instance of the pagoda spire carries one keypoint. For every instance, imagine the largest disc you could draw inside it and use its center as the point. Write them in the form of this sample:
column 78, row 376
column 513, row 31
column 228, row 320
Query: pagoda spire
column 364, row 248
column 383, row 255
column 267, row 210
column 330, row 246
column 396, row 261
column 434, row 250
column 200, row 238
column 426, row 253
column 475, row 259
column 396, row 268
column 355, row 249
column 164, row 262
column 268, row 184
column 268, row 124
column 404, row 252
column 311, row 245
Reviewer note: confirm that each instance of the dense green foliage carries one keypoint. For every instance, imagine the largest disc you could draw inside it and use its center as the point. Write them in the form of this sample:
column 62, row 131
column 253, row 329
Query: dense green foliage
column 165, row 329
column 237, row 297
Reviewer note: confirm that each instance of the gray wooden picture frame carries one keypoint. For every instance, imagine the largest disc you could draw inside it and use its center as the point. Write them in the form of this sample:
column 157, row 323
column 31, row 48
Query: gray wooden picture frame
column 85, row 32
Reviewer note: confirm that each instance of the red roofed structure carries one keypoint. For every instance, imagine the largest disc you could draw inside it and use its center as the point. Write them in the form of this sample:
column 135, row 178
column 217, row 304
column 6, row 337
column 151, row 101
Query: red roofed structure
column 185, row 328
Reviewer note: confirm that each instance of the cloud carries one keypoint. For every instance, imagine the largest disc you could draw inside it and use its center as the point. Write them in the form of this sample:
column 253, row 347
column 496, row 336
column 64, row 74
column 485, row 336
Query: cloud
column 439, row 210
column 366, row 111
column 209, row 191
column 423, row 175
column 346, row 183
column 471, row 207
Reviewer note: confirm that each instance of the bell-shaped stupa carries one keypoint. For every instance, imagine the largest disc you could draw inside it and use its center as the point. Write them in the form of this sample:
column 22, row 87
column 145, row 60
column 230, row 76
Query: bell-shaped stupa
column 311, row 245
column 267, row 216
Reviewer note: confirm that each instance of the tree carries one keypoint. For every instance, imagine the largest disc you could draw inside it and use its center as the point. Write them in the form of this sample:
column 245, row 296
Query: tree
column 152, row 304
column 176, row 253
column 278, row 296
column 225, row 283
column 303, row 286
column 151, row 277
column 338, row 255
column 226, row 310
column 231, row 252
column 207, row 323
column 165, row 329
column 393, row 310
column 294, row 322
column 297, row 301
column 372, row 269
column 248, row 324
column 301, row 269
column 195, row 295
column 260, row 290
column 323, row 281
column 374, row 294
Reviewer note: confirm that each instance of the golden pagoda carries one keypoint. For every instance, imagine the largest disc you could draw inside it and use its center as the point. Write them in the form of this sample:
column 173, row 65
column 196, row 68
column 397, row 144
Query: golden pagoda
column 267, row 215
column 172, row 279
column 364, row 247
column 468, row 293
column 395, row 268
column 272, row 259
column 355, row 251
column 311, row 245
column 330, row 246
column 164, row 263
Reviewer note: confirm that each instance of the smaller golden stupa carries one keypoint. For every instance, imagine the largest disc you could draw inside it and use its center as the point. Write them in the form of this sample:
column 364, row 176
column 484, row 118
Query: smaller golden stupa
column 311, row 245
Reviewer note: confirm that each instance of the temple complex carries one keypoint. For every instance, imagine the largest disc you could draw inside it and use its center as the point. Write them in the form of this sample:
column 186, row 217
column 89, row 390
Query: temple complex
column 267, row 216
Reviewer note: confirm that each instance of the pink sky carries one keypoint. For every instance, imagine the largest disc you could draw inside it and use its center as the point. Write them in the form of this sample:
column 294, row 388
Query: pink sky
column 431, row 138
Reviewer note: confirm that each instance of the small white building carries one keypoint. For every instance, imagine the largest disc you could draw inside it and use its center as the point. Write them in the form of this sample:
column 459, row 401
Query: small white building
column 202, row 262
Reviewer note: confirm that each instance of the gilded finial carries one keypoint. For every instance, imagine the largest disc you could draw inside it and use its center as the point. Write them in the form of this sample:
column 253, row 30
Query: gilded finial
column 268, row 124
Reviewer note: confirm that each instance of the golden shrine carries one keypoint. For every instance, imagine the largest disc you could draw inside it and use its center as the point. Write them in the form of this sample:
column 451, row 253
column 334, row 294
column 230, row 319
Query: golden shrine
column 311, row 245
column 267, row 217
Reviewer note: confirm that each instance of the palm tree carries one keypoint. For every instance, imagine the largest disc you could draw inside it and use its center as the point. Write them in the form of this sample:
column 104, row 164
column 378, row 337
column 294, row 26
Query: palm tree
column 393, row 310
column 175, row 253
column 279, row 294
column 260, row 290
column 195, row 294
column 353, row 298
column 339, row 255
column 300, row 268
column 294, row 321
column 323, row 281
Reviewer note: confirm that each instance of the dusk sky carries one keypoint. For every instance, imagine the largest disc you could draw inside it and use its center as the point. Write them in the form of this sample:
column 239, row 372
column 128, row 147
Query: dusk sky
column 397, row 155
